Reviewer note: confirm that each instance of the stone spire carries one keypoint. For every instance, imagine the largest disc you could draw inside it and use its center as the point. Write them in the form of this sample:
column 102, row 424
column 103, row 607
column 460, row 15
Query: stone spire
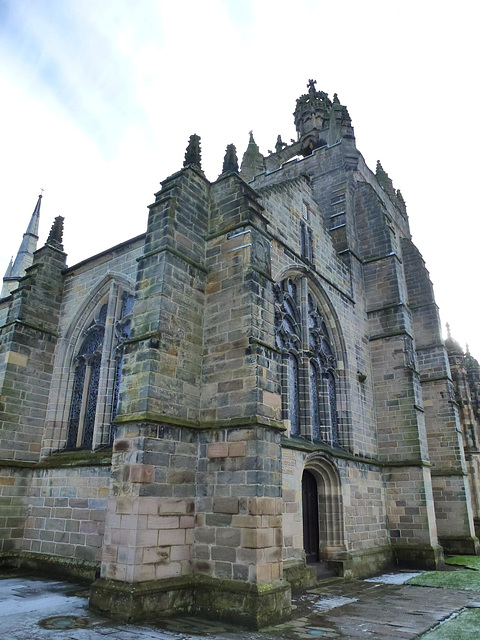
column 24, row 257
column 8, row 273
column 253, row 161
column 230, row 161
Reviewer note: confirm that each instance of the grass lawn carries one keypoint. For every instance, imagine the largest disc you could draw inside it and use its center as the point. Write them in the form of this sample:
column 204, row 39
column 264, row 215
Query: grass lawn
column 463, row 579
column 472, row 562
column 465, row 626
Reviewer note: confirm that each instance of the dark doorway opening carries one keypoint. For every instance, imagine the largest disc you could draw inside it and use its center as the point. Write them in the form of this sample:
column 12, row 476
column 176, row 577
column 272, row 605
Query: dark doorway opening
column 311, row 538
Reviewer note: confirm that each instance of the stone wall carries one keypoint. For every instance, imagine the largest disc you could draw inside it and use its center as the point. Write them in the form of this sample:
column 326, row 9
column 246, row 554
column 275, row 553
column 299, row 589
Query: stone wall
column 151, row 511
column 54, row 518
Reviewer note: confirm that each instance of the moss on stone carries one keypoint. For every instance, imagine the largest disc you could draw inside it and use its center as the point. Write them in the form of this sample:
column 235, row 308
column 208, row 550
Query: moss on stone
column 299, row 576
column 77, row 458
column 247, row 604
column 46, row 564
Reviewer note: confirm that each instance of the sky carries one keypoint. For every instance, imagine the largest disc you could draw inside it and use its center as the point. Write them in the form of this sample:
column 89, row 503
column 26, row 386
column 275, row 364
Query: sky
column 99, row 98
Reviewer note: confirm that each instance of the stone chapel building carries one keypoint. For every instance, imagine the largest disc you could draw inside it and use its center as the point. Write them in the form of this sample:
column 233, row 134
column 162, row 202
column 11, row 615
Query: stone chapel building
column 198, row 418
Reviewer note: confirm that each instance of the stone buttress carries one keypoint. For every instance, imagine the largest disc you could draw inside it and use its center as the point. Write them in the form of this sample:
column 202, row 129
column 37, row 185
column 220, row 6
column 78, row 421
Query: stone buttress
column 451, row 492
column 402, row 438
column 27, row 347
column 194, row 521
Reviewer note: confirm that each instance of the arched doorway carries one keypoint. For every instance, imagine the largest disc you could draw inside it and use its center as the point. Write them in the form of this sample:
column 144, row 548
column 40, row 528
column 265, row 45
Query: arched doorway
column 322, row 510
column 311, row 530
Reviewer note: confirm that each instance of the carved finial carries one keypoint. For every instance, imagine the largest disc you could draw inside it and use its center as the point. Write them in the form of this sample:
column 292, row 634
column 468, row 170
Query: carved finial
column 311, row 86
column 449, row 335
column 253, row 161
column 335, row 99
column 55, row 237
column 401, row 202
column 467, row 350
column 193, row 153
column 279, row 145
column 384, row 180
column 230, row 162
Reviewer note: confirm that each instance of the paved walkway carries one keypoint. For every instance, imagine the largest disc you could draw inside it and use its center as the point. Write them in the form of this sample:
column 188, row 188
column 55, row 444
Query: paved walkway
column 384, row 609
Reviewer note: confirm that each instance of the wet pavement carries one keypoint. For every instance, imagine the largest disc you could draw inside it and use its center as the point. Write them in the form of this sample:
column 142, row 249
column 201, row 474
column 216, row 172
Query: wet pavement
column 381, row 608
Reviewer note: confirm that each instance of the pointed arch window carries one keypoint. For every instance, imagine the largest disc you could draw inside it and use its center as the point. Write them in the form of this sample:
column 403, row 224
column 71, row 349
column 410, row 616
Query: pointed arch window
column 94, row 387
column 309, row 388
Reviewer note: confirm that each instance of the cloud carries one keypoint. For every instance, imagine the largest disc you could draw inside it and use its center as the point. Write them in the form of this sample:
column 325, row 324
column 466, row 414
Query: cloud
column 99, row 100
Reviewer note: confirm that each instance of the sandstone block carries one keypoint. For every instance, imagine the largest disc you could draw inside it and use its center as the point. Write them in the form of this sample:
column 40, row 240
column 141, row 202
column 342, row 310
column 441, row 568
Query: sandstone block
column 217, row 450
column 225, row 505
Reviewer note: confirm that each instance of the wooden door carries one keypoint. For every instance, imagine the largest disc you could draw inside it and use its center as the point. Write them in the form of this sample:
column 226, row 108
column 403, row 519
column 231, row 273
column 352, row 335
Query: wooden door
column 311, row 540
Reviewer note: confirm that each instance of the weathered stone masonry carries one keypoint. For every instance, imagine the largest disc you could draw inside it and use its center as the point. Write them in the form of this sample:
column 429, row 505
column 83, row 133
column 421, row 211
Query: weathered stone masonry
column 202, row 418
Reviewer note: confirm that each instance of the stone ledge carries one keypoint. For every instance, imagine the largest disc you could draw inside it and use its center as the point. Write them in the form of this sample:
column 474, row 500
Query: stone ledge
column 299, row 444
column 60, row 459
column 47, row 564
column 419, row 556
column 363, row 563
column 247, row 604
column 238, row 423
column 77, row 458
column 460, row 545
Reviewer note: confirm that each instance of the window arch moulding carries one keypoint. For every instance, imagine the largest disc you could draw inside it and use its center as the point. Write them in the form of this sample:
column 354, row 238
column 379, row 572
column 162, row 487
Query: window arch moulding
column 90, row 362
column 310, row 391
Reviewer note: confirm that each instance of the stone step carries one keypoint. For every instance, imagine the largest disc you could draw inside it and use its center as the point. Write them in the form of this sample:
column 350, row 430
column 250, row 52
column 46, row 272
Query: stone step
column 323, row 570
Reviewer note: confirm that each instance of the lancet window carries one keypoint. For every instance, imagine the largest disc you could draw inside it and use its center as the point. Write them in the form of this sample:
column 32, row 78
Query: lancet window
column 97, row 371
column 309, row 375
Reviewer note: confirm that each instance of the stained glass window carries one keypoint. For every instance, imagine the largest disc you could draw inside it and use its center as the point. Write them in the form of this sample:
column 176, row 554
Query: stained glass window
column 332, row 406
column 311, row 368
column 90, row 361
column 91, row 408
column 314, row 400
column 76, row 406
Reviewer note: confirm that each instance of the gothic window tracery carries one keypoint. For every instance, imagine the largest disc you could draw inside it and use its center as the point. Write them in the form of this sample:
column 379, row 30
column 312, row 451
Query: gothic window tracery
column 309, row 388
column 100, row 352
column 288, row 340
